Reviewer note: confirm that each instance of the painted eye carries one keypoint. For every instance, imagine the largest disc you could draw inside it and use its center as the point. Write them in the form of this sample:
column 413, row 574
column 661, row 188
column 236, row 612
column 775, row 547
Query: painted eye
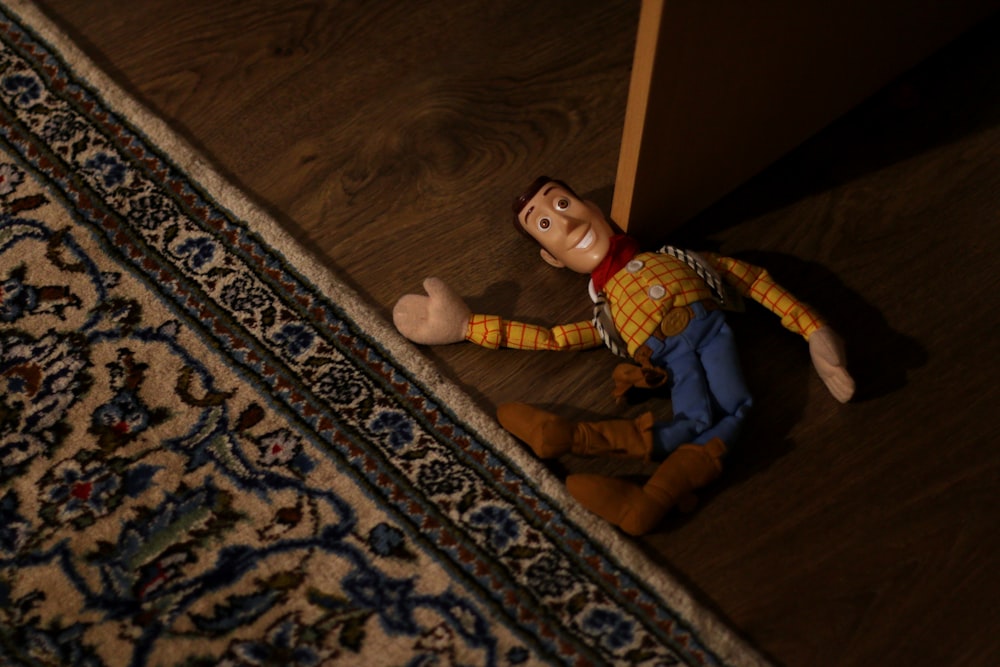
column 544, row 224
column 562, row 204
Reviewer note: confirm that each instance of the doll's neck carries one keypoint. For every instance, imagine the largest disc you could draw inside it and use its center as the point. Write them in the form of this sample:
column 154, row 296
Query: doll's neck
column 621, row 250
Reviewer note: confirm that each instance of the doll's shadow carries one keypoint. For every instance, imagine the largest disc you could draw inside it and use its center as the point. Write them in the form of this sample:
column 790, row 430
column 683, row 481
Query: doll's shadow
column 499, row 297
column 778, row 367
column 879, row 358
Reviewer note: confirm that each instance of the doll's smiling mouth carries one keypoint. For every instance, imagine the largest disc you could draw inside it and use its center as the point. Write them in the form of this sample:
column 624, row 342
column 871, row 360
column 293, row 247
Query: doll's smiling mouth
column 586, row 241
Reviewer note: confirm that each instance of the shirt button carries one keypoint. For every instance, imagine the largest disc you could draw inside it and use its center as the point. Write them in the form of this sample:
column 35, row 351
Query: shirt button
column 657, row 292
column 634, row 266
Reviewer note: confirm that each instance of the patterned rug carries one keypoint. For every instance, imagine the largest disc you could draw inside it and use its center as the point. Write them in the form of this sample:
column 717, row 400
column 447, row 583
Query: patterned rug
column 211, row 453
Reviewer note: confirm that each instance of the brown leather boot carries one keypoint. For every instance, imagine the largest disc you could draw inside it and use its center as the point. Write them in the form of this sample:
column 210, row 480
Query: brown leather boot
column 550, row 436
column 637, row 510
column 631, row 438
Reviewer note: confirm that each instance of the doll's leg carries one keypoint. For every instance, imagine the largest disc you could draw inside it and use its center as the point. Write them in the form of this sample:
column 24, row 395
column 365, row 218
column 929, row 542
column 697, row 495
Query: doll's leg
column 691, row 402
column 690, row 392
column 709, row 396
column 720, row 359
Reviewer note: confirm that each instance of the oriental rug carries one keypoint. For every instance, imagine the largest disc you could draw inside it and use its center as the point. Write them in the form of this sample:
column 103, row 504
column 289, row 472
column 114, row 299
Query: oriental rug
column 212, row 453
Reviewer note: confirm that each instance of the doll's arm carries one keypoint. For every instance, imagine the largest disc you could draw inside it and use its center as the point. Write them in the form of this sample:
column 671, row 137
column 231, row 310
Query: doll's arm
column 756, row 283
column 441, row 317
column 495, row 332
column 437, row 318
column 827, row 351
column 825, row 347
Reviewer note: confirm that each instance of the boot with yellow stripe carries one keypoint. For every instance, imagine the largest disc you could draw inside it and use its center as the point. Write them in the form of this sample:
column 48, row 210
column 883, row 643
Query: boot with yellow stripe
column 551, row 436
column 638, row 509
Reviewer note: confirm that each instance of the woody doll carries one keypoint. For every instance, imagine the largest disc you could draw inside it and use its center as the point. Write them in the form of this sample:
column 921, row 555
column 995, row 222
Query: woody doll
column 664, row 310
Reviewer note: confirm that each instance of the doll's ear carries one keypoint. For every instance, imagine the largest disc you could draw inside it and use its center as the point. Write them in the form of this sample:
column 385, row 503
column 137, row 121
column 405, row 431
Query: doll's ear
column 550, row 260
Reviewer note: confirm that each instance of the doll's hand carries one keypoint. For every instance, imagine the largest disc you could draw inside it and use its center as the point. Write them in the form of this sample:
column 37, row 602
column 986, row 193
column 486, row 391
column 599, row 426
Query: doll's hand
column 827, row 351
column 438, row 318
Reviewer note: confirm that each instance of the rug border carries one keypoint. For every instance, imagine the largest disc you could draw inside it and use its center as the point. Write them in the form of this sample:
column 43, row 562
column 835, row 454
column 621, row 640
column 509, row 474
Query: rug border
column 724, row 641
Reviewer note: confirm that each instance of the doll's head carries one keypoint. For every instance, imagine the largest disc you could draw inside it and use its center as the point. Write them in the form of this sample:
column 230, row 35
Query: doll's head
column 573, row 232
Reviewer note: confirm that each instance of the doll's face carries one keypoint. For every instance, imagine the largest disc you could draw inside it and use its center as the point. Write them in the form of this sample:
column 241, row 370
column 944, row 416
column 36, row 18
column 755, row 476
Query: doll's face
column 573, row 233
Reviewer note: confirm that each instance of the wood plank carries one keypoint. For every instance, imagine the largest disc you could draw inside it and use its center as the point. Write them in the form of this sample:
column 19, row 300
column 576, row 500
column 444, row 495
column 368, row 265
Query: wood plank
column 859, row 535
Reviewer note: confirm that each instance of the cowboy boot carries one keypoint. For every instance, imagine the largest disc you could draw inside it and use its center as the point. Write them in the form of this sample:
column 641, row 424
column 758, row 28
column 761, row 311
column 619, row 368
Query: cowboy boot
column 638, row 509
column 550, row 436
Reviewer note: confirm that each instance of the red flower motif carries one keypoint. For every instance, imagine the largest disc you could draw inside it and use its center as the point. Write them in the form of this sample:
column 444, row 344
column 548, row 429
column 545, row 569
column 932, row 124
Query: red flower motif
column 82, row 490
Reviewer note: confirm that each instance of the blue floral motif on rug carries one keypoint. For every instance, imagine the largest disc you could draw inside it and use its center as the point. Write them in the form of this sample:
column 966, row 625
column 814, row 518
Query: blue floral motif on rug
column 206, row 461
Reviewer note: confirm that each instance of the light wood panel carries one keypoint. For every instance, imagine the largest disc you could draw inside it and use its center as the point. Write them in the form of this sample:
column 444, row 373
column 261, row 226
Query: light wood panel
column 722, row 88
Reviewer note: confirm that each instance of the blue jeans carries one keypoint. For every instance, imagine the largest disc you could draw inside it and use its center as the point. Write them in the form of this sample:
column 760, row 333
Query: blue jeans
column 710, row 398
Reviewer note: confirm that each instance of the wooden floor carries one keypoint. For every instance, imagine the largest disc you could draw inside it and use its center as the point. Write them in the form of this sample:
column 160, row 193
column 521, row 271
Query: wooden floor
column 390, row 136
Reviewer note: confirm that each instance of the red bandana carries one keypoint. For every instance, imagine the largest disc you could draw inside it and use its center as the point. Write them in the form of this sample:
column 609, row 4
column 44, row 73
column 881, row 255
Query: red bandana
column 621, row 250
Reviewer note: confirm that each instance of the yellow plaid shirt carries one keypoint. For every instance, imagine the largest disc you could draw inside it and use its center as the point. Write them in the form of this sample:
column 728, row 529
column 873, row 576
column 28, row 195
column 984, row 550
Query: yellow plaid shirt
column 640, row 296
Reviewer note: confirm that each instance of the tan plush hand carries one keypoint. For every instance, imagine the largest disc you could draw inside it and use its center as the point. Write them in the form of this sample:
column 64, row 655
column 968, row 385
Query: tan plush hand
column 827, row 351
column 438, row 318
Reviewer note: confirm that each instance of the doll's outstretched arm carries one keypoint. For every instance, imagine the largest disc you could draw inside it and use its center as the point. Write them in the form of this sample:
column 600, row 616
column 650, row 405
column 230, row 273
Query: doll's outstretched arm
column 825, row 346
column 827, row 352
column 442, row 317
column 437, row 318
